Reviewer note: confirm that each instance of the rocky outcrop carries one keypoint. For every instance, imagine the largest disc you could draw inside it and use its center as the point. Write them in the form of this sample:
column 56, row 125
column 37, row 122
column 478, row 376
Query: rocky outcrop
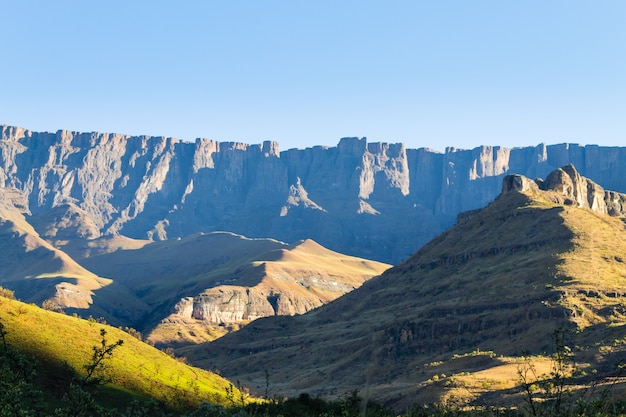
column 519, row 183
column 225, row 305
column 287, row 281
column 349, row 198
column 570, row 188
column 229, row 304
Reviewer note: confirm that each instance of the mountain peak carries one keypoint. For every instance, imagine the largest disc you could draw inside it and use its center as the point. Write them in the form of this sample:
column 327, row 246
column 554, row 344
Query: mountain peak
column 568, row 187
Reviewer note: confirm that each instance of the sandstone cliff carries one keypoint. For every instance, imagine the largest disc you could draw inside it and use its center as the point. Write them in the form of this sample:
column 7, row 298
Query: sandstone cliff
column 348, row 198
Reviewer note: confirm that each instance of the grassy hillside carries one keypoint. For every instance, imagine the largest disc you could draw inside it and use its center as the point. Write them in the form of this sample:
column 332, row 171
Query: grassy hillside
column 299, row 277
column 458, row 318
column 159, row 270
column 136, row 370
column 26, row 256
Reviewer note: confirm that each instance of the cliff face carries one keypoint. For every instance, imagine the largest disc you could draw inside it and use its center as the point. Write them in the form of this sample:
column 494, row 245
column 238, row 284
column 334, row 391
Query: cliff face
column 348, row 198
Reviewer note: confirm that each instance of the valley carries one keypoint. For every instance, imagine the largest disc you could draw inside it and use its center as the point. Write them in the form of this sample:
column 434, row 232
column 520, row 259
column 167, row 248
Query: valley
column 260, row 264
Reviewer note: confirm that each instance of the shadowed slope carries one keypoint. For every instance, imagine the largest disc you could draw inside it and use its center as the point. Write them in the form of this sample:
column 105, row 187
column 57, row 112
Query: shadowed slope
column 189, row 287
column 34, row 268
column 501, row 280
column 37, row 271
column 348, row 197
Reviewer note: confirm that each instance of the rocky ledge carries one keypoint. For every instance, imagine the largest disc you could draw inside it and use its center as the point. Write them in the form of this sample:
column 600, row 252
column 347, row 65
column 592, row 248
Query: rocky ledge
column 571, row 188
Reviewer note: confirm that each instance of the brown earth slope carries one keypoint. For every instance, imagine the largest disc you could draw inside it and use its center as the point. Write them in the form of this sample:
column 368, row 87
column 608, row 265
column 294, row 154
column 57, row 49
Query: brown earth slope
column 34, row 268
column 202, row 286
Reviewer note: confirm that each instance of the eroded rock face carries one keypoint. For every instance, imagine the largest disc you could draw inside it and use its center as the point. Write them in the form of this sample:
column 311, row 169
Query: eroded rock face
column 572, row 189
column 518, row 183
column 68, row 295
column 374, row 200
column 227, row 305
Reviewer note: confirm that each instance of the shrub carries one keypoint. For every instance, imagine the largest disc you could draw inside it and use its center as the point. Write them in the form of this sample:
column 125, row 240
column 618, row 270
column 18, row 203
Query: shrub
column 6, row 293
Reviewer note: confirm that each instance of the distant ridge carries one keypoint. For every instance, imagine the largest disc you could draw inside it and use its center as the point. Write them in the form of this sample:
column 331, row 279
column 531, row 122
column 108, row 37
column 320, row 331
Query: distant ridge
column 199, row 287
column 455, row 318
column 348, row 198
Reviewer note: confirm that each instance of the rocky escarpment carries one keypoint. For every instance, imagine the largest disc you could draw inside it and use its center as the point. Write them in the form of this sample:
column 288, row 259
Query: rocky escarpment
column 572, row 189
column 348, row 198
column 226, row 305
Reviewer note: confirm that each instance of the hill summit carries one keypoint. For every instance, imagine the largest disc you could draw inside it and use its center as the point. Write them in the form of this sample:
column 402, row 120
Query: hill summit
column 459, row 316
column 571, row 189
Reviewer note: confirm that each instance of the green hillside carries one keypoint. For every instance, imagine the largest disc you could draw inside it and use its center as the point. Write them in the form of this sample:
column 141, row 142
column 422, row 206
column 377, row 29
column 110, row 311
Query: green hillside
column 135, row 370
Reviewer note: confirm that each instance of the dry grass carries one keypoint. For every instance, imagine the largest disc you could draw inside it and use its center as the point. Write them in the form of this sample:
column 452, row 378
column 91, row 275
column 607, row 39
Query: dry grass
column 37, row 271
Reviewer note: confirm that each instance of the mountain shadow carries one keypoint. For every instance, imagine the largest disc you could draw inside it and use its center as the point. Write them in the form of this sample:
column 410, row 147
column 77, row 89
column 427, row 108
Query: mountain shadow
column 543, row 256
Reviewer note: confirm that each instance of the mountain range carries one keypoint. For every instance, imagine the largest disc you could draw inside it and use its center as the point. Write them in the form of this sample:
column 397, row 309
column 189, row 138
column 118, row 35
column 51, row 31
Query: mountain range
column 347, row 198
column 187, row 242
column 462, row 316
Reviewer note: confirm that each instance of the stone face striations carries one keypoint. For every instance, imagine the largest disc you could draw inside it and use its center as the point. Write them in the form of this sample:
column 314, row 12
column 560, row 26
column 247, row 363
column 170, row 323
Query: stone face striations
column 374, row 200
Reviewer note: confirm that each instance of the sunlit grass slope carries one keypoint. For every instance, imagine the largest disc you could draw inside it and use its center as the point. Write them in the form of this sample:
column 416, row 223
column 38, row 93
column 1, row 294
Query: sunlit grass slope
column 137, row 369
column 592, row 273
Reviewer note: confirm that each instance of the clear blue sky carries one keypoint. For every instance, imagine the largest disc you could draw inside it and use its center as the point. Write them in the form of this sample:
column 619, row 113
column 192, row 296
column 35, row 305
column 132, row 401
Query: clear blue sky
column 427, row 73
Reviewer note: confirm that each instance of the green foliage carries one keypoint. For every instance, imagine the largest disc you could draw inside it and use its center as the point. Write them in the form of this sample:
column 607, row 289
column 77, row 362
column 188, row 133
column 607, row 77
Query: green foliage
column 82, row 389
column 97, row 365
column 552, row 394
column 135, row 370
column 209, row 410
column 49, row 305
column 133, row 332
column 18, row 395
column 80, row 403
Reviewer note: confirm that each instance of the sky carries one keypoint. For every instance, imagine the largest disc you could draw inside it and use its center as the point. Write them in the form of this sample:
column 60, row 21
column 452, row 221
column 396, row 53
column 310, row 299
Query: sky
column 436, row 74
